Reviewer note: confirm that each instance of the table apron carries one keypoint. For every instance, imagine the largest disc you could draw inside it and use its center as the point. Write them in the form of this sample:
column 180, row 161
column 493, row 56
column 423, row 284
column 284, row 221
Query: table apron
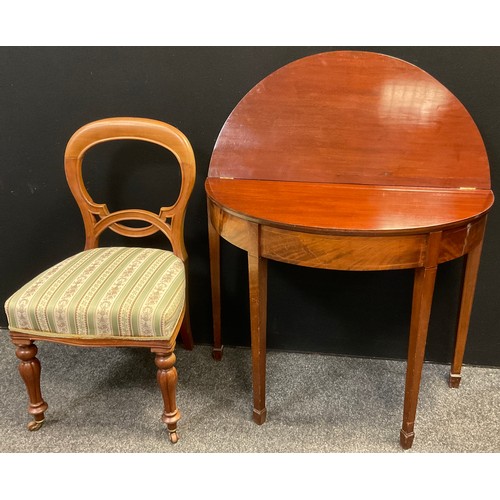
column 356, row 253
column 343, row 252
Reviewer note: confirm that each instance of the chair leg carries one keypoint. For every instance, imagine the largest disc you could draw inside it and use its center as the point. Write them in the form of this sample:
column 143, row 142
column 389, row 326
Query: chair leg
column 30, row 368
column 185, row 331
column 167, row 380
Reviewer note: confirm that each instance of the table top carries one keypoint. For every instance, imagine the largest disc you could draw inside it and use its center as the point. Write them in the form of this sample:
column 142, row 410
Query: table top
column 347, row 208
column 351, row 141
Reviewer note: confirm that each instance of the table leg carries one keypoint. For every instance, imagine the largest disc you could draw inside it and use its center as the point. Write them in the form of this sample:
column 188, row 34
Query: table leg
column 257, row 280
column 423, row 290
column 214, row 245
column 471, row 267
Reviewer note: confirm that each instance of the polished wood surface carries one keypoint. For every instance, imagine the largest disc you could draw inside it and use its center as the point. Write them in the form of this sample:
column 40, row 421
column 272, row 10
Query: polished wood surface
column 351, row 161
column 348, row 208
column 97, row 218
column 352, row 117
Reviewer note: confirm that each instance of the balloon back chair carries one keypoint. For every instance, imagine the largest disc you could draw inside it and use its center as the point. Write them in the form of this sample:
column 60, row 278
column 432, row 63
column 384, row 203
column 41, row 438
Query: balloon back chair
column 112, row 296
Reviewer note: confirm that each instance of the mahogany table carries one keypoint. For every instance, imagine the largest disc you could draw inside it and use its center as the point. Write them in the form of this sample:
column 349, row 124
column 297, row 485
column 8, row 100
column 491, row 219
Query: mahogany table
column 356, row 161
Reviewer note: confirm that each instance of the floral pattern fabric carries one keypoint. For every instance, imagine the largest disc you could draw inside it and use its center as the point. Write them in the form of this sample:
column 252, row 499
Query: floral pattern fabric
column 104, row 293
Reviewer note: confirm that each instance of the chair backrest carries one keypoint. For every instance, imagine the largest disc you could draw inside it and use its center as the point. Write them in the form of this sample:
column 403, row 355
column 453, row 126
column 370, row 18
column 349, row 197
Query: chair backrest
column 96, row 216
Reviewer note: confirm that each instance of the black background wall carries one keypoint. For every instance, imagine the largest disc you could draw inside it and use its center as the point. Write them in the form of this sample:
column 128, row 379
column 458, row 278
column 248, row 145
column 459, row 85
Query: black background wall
column 46, row 93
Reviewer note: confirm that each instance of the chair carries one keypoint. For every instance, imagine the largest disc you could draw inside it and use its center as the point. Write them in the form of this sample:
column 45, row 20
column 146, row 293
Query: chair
column 112, row 296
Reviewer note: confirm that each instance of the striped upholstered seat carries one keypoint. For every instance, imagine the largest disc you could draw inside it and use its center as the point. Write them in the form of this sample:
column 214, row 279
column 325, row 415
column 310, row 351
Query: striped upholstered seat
column 103, row 293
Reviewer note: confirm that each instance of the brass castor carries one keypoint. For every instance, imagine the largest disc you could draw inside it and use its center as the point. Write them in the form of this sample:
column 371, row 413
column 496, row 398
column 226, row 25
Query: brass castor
column 173, row 436
column 34, row 425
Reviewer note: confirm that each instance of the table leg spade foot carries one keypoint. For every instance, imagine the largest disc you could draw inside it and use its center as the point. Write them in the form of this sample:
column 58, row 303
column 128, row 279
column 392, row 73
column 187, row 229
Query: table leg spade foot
column 406, row 439
column 217, row 353
column 454, row 381
column 259, row 416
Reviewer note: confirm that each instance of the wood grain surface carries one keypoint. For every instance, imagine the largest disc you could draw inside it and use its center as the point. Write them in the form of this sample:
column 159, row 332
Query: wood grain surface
column 352, row 117
column 347, row 208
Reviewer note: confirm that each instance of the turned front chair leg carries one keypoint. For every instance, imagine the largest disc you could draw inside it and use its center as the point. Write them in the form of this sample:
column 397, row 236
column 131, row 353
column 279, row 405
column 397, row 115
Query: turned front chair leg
column 423, row 290
column 257, row 273
column 214, row 245
column 30, row 368
column 167, row 380
column 471, row 267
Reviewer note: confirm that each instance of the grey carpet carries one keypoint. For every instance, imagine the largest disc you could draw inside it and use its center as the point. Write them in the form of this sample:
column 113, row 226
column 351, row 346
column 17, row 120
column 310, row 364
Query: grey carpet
column 107, row 400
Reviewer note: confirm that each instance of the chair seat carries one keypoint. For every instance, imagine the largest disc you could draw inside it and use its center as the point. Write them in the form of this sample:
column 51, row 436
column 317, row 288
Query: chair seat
column 109, row 292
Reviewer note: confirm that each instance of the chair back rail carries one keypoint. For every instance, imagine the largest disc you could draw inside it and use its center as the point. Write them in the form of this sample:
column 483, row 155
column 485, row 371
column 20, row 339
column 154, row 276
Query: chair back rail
column 96, row 216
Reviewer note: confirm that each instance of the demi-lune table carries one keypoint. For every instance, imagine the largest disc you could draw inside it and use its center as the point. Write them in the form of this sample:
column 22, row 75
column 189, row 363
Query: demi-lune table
column 350, row 160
